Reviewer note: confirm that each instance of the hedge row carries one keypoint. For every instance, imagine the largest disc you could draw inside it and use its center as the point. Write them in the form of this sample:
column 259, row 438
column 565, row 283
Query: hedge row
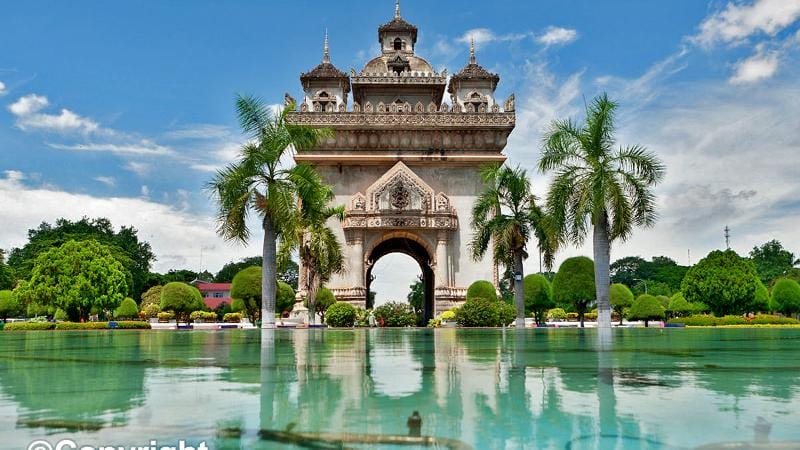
column 711, row 321
column 38, row 326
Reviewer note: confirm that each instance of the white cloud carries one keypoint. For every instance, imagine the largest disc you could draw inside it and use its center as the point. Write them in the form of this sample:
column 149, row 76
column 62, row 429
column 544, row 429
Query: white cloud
column 145, row 191
column 199, row 131
column 484, row 36
column 139, row 168
column 143, row 147
column 176, row 235
column 2, row 89
column 108, row 181
column 557, row 36
column 759, row 66
column 739, row 21
column 27, row 110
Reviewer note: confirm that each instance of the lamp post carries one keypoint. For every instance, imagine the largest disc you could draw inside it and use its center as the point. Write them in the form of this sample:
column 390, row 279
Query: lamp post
column 643, row 281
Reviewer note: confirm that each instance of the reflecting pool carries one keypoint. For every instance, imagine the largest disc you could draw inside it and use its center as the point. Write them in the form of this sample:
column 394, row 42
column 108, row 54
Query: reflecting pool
column 473, row 388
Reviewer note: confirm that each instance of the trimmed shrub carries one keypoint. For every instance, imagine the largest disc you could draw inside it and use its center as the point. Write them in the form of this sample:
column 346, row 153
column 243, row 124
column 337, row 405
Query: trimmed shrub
column 246, row 293
column 9, row 305
column 557, row 314
column 151, row 296
column 324, row 300
column 60, row 315
column 233, row 317
column 506, row 313
column 203, row 315
column 29, row 326
column 663, row 300
column 786, row 296
column 151, row 310
column 696, row 321
column 732, row 320
column 621, row 297
column 573, row 285
column 133, row 325
column 590, row 316
column 284, row 298
column 81, row 326
column 481, row 289
column 762, row 300
column 768, row 319
column 166, row 316
column 341, row 314
column 394, row 314
column 678, row 306
column 126, row 310
column 362, row 317
column 699, row 308
column 538, row 296
column 479, row 312
column 647, row 308
column 448, row 315
column 181, row 299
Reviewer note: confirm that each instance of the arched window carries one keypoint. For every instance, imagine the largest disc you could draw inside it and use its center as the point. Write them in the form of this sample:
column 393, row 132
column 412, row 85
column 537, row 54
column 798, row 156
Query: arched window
column 398, row 44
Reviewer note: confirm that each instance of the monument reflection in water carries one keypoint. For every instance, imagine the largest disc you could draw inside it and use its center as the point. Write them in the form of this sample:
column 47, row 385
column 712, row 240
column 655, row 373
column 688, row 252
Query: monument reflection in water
column 478, row 388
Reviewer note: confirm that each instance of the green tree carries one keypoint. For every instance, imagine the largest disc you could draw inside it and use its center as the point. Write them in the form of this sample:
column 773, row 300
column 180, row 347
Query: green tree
column 9, row 305
column 416, row 296
column 762, row 300
column 246, row 292
column 229, row 270
column 481, row 289
column 678, row 306
column 136, row 256
column 182, row 299
column 258, row 181
column 612, row 188
column 151, row 296
column 724, row 281
column 284, row 298
column 7, row 279
column 76, row 277
column 505, row 216
column 325, row 299
column 621, row 297
column 786, row 296
column 341, row 314
column 126, row 310
column 646, row 307
column 538, row 296
column 772, row 260
column 573, row 285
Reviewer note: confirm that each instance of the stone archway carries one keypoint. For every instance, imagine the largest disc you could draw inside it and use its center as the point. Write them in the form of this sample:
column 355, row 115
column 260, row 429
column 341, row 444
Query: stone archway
column 420, row 254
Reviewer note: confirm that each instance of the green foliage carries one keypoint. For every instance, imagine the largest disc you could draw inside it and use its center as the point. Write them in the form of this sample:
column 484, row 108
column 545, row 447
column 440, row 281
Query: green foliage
column 621, row 297
column 124, row 325
column 124, row 245
column 233, row 317
column 662, row 275
column 416, row 296
column 699, row 307
column 786, row 296
column 7, row 278
column 126, row 310
column 325, row 299
column 652, row 287
column 663, row 300
column 284, row 298
column 394, row 314
column 506, row 313
column 762, row 300
column 538, row 296
column 60, row 315
column 246, row 292
column 711, row 321
column 203, row 315
column 165, row 316
column 479, row 312
column 481, row 289
column 9, row 305
column 151, row 296
column 362, row 317
column 229, row 270
column 181, row 299
column 557, row 314
column 768, row 319
column 724, row 281
column 29, row 326
column 573, row 285
column 77, row 277
column 646, row 307
column 341, row 314
column 772, row 261
column 152, row 309
column 448, row 315
column 678, row 306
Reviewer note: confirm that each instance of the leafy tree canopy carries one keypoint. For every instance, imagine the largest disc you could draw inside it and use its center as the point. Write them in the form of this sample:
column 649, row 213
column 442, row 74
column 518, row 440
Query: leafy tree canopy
column 662, row 274
column 325, row 299
column 76, row 277
column 538, row 296
column 229, row 270
column 786, row 296
column 9, row 305
column 724, row 281
column 284, row 298
column 772, row 260
column 126, row 310
column 7, row 279
column 762, row 300
column 416, row 297
column 573, row 285
column 481, row 289
column 646, row 307
column 152, row 296
column 246, row 288
column 124, row 245
column 678, row 306
column 181, row 299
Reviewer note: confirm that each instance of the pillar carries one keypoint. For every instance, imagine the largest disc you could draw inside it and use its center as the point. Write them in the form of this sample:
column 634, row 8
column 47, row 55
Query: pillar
column 442, row 266
column 357, row 273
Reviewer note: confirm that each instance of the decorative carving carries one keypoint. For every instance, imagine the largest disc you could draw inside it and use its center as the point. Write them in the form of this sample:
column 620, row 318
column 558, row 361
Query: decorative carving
column 419, row 108
column 442, row 202
column 444, row 108
column 342, row 107
column 381, row 107
column 495, row 108
column 399, row 197
column 368, row 107
column 359, row 202
column 407, row 107
column 288, row 100
column 456, row 108
column 356, row 107
column 317, row 107
column 509, row 106
column 431, row 107
column 304, row 107
column 470, row 108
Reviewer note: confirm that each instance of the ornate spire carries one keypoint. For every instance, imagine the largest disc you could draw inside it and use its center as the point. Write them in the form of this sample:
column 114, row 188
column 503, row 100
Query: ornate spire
column 472, row 49
column 396, row 9
column 326, row 58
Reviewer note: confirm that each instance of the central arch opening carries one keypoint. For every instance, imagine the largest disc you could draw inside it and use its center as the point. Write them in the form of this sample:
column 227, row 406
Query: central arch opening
column 419, row 254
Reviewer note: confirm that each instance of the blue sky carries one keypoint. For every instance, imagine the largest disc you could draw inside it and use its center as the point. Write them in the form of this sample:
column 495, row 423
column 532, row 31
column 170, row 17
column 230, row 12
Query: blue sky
column 123, row 109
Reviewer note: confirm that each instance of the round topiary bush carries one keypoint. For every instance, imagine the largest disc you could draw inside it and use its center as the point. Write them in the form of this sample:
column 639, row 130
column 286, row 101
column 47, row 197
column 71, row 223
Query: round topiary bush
column 126, row 310
column 395, row 314
column 678, row 306
column 246, row 292
column 786, row 296
column 621, row 297
column 646, row 307
column 181, row 299
column 284, row 298
column 557, row 314
column 573, row 285
column 481, row 289
column 538, row 296
column 341, row 314
column 479, row 312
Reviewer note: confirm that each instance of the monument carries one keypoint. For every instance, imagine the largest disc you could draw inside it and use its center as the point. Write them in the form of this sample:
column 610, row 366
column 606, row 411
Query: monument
column 404, row 162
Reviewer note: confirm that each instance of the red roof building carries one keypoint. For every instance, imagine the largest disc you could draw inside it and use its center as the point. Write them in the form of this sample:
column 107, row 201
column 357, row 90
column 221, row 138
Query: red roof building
column 214, row 294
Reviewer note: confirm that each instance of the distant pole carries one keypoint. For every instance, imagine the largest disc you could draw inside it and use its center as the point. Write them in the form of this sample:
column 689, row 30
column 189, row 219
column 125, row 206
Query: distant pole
column 727, row 237
column 689, row 256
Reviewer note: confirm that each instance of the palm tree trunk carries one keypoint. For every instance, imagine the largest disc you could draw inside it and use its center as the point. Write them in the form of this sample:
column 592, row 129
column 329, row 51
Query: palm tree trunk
column 268, row 275
column 602, row 250
column 519, row 298
column 311, row 293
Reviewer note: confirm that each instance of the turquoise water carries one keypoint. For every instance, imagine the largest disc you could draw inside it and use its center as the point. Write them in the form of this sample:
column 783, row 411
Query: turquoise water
column 481, row 388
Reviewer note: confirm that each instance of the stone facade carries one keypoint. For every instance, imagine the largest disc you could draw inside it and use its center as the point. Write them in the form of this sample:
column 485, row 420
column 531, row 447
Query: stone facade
column 404, row 163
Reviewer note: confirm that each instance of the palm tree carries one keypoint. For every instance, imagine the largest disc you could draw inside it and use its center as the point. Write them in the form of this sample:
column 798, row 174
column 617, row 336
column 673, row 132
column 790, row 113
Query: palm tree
column 598, row 184
column 318, row 247
column 506, row 215
column 258, row 181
